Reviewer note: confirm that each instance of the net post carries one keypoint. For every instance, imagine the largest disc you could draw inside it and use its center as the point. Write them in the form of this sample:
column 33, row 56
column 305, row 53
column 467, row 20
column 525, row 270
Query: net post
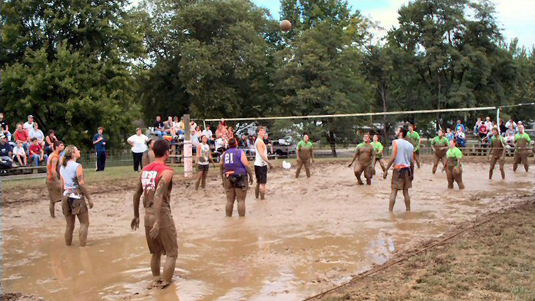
column 188, row 165
column 498, row 118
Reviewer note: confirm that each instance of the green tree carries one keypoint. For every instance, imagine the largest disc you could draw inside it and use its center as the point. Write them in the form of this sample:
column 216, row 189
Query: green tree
column 321, row 73
column 68, row 63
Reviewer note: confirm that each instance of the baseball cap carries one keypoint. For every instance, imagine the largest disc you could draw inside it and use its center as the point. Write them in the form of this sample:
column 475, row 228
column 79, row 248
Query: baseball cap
column 30, row 116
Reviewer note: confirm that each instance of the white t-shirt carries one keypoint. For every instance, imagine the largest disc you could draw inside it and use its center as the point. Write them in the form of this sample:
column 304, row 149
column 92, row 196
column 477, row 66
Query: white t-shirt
column 220, row 143
column 140, row 143
column 28, row 126
column 37, row 134
column 18, row 151
column 208, row 134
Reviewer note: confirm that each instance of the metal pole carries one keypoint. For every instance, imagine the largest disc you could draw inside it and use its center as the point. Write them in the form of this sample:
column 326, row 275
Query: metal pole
column 188, row 164
column 498, row 119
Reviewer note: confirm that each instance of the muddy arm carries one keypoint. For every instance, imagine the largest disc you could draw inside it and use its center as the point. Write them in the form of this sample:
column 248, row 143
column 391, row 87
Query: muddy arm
column 137, row 197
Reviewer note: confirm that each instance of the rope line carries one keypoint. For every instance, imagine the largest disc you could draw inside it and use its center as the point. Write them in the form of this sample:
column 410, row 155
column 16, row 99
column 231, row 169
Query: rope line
column 357, row 114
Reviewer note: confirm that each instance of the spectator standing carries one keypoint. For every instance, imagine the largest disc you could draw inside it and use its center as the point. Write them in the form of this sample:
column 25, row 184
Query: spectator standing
column 158, row 127
column 6, row 153
column 37, row 134
column 50, row 141
column 37, row 155
column 139, row 146
column 19, row 155
column 28, row 126
column 99, row 141
column 22, row 135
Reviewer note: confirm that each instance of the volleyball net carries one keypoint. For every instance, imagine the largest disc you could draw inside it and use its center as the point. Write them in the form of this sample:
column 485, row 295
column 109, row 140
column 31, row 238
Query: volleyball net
column 337, row 134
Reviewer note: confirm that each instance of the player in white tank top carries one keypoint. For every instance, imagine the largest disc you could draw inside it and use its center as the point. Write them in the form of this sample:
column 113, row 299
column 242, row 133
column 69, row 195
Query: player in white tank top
column 261, row 163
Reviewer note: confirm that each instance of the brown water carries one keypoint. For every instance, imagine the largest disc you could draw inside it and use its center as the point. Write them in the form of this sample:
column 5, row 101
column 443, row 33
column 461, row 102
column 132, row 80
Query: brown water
column 309, row 235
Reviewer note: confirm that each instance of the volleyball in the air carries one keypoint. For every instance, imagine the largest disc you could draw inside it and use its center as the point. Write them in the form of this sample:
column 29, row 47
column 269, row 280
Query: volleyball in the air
column 286, row 25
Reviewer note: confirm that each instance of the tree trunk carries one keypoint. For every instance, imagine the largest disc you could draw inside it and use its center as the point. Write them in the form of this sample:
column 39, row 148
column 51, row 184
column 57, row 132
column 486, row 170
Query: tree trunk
column 333, row 143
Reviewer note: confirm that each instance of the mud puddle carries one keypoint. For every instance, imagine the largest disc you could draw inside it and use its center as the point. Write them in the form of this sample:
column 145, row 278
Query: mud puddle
column 309, row 235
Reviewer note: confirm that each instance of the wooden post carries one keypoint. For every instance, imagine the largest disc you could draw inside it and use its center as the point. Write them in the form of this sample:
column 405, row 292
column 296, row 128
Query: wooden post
column 188, row 162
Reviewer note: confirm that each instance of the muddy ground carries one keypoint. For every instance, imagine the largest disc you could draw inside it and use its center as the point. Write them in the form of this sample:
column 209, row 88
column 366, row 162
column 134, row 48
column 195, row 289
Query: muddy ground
column 309, row 235
column 491, row 260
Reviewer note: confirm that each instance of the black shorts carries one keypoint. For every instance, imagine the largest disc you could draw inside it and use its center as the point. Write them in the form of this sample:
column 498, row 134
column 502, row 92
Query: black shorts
column 203, row 167
column 261, row 174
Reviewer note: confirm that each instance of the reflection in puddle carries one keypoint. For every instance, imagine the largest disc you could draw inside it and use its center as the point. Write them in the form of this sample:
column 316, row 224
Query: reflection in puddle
column 307, row 236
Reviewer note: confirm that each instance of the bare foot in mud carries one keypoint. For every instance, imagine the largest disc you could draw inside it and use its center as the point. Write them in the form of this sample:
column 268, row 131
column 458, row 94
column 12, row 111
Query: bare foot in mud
column 164, row 285
column 155, row 283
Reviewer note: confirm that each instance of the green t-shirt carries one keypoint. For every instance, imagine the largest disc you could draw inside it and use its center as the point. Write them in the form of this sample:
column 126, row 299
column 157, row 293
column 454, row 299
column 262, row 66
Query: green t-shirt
column 378, row 148
column 501, row 139
column 520, row 136
column 456, row 154
column 415, row 139
column 440, row 141
column 304, row 144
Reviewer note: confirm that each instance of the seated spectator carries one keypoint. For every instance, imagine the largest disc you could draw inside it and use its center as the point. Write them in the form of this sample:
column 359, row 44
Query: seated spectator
column 19, row 155
column 230, row 132
column 168, row 127
column 220, row 145
column 511, row 132
column 4, row 127
column 176, row 124
column 449, row 134
column 208, row 133
column 483, row 131
column 28, row 126
column 37, row 155
column 158, row 127
column 50, row 141
column 22, row 135
column 460, row 126
column 460, row 137
column 511, row 123
column 268, row 144
column 477, row 126
column 37, row 134
column 181, row 127
column 223, row 123
column 192, row 124
column 503, row 129
column 488, row 124
column 5, row 153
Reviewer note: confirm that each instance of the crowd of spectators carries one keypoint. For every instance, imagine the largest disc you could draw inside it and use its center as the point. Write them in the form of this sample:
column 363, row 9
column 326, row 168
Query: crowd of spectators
column 483, row 129
column 27, row 145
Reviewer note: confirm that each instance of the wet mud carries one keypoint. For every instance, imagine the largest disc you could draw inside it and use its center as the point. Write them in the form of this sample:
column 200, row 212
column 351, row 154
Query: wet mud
column 307, row 236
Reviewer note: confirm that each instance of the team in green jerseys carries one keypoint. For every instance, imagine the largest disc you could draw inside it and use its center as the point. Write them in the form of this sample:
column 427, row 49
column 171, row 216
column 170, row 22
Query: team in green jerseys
column 440, row 144
column 497, row 152
column 365, row 153
column 522, row 141
column 454, row 170
column 305, row 156
column 414, row 138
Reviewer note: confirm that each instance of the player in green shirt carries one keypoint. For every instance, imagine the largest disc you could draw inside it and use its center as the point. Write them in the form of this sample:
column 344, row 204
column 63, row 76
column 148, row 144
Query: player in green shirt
column 414, row 138
column 522, row 141
column 305, row 155
column 454, row 170
column 366, row 156
column 378, row 148
column 497, row 152
column 440, row 144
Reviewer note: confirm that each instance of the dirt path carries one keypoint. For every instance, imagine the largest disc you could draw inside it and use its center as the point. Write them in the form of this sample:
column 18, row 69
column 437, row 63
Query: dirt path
column 308, row 236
